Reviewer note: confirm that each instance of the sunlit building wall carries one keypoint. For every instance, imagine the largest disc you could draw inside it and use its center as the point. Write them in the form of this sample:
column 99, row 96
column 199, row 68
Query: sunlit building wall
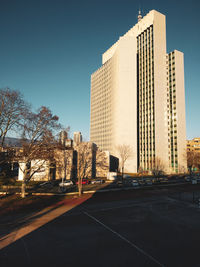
column 130, row 94
column 193, row 145
column 176, row 112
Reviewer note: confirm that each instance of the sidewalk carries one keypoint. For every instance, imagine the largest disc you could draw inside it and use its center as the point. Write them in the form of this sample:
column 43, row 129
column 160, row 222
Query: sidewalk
column 41, row 218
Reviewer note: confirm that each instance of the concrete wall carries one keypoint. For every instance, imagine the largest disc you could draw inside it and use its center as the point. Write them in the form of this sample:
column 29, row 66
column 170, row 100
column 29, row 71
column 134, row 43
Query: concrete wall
column 160, row 87
column 125, row 113
column 180, row 108
column 40, row 168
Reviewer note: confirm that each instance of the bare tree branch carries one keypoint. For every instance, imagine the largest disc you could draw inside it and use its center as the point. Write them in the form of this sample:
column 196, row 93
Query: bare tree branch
column 12, row 111
column 38, row 142
column 125, row 152
column 158, row 168
column 193, row 160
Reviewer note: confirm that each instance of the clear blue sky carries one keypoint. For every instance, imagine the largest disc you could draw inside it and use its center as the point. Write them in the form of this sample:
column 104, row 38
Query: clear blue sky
column 49, row 48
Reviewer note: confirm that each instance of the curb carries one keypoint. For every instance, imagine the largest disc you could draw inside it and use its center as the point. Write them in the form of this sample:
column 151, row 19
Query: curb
column 99, row 191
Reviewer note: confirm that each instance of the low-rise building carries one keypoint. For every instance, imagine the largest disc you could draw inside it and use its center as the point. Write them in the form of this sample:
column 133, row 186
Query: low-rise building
column 105, row 162
column 84, row 159
column 39, row 169
column 194, row 145
column 193, row 154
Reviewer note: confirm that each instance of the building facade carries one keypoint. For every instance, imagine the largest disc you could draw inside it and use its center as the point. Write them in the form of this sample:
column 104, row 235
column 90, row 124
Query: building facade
column 193, row 154
column 63, row 137
column 77, row 138
column 85, row 160
column 193, row 145
column 138, row 98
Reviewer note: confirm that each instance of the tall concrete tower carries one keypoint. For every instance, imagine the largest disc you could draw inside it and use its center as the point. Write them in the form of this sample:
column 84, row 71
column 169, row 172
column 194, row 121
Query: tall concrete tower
column 130, row 98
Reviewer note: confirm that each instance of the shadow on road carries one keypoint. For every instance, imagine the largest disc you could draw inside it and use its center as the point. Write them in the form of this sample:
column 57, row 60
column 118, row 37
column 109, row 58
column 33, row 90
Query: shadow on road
column 113, row 228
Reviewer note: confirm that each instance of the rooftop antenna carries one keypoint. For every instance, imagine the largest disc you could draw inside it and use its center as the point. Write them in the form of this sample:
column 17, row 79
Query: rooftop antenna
column 139, row 15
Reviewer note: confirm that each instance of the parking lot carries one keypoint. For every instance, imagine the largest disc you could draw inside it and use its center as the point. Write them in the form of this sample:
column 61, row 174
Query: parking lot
column 139, row 182
column 118, row 229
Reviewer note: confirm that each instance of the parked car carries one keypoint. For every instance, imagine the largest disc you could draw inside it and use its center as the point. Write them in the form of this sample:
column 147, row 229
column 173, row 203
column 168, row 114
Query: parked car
column 66, row 183
column 187, row 178
column 148, row 181
column 97, row 181
column 112, row 176
column 125, row 176
column 135, row 183
column 84, row 181
column 163, row 180
column 141, row 181
column 194, row 181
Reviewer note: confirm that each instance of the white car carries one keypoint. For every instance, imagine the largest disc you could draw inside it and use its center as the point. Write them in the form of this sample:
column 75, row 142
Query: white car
column 97, row 181
column 194, row 181
column 135, row 183
column 66, row 183
column 112, row 176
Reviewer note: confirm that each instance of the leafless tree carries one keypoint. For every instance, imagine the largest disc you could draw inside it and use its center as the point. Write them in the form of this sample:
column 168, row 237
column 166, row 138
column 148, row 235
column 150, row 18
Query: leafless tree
column 158, row 167
column 125, row 152
column 89, row 159
column 12, row 111
column 193, row 160
column 38, row 143
column 101, row 163
column 64, row 155
column 63, row 158
column 140, row 170
column 84, row 163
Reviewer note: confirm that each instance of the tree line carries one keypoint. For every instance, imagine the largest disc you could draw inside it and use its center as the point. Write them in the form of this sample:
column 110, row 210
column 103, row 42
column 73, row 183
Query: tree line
column 39, row 143
column 37, row 131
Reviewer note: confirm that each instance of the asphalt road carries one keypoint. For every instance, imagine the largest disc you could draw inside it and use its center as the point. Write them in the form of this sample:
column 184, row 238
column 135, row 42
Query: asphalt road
column 114, row 231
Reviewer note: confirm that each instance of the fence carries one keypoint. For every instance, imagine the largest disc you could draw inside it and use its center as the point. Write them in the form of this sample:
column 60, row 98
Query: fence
column 190, row 197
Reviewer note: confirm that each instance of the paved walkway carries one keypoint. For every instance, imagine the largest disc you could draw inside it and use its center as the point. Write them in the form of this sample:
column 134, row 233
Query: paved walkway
column 41, row 218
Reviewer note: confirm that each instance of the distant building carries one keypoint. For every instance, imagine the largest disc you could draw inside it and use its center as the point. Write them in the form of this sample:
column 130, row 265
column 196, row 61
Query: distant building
column 69, row 143
column 97, row 163
column 193, row 145
column 77, row 138
column 39, row 169
column 86, row 157
column 105, row 162
column 70, row 160
column 63, row 137
column 193, row 154
column 62, row 166
column 65, row 163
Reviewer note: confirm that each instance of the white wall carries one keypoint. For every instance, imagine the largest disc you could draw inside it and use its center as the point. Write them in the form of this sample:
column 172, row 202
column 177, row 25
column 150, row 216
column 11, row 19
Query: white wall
column 125, row 120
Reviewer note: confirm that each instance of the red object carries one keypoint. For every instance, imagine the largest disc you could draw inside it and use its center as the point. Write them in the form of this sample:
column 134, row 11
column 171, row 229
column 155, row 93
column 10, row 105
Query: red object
column 84, row 181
